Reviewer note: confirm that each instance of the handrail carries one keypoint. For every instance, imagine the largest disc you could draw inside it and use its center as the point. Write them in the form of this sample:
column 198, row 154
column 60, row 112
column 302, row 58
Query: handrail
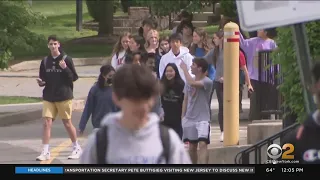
column 243, row 157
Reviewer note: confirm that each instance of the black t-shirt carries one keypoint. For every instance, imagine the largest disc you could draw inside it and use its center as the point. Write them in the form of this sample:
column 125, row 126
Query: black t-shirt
column 172, row 100
column 306, row 147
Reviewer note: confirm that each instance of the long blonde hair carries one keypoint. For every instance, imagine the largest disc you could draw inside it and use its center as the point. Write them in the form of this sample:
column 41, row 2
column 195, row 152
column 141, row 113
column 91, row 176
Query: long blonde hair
column 118, row 46
column 151, row 33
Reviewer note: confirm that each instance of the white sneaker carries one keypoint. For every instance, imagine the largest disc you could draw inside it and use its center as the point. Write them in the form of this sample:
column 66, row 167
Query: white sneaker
column 221, row 137
column 76, row 153
column 43, row 156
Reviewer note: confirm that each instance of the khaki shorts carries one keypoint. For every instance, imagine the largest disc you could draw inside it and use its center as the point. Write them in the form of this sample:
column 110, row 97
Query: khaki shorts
column 62, row 108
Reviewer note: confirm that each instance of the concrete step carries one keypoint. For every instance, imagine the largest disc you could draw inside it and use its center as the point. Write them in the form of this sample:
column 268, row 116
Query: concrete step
column 126, row 23
column 201, row 16
column 195, row 23
column 120, row 30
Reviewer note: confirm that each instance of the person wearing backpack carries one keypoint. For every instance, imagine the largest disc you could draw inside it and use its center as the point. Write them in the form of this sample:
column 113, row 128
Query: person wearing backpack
column 134, row 135
column 56, row 75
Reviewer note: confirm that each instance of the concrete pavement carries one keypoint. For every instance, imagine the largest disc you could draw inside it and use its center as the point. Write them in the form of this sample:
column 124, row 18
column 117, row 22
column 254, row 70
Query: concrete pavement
column 21, row 144
column 29, row 87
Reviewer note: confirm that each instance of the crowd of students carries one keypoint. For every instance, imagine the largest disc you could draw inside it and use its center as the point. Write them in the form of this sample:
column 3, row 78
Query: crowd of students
column 173, row 77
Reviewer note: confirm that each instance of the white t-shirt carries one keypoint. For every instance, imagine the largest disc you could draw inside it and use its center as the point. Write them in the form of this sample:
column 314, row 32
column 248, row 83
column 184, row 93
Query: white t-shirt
column 117, row 62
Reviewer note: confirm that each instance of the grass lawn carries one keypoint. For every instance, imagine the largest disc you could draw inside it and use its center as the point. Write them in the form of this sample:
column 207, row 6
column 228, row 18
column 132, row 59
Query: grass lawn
column 18, row 99
column 61, row 20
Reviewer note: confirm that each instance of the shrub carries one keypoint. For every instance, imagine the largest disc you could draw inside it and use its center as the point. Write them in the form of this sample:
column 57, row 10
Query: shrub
column 291, row 88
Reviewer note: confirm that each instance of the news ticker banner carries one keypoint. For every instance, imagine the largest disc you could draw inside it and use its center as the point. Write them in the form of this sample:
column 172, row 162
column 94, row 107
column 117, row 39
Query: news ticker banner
column 134, row 170
column 255, row 169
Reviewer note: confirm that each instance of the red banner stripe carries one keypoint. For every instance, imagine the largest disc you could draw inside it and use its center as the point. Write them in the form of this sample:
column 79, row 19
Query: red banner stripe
column 233, row 40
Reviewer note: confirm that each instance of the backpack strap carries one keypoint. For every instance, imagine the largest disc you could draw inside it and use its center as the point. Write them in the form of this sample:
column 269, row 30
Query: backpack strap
column 45, row 62
column 64, row 57
column 102, row 144
column 165, row 140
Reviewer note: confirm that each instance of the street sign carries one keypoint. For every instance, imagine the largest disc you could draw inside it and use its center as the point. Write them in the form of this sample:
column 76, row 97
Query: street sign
column 261, row 14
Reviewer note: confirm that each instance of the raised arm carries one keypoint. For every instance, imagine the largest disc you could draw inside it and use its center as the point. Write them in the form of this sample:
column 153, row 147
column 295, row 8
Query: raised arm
column 247, row 43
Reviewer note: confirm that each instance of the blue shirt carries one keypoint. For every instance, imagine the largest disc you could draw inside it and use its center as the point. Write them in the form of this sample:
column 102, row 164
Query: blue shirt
column 99, row 103
column 200, row 52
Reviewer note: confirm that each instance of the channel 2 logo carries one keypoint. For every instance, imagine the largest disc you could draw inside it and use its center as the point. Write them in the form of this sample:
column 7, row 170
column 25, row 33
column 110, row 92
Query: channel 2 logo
column 275, row 151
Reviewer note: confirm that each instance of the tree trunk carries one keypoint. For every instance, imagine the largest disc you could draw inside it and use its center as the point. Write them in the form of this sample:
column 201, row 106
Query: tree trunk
column 106, row 18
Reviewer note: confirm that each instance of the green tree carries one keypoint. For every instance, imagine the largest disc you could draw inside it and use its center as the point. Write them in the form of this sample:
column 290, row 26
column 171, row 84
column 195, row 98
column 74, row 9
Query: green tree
column 102, row 12
column 291, row 88
column 15, row 17
column 229, row 8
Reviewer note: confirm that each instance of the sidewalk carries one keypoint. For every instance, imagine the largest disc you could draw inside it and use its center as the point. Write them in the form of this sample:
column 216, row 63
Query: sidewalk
column 29, row 87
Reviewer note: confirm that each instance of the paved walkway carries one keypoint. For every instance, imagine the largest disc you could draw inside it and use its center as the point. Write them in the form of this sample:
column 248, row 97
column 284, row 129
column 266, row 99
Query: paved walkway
column 29, row 87
column 24, row 84
column 21, row 144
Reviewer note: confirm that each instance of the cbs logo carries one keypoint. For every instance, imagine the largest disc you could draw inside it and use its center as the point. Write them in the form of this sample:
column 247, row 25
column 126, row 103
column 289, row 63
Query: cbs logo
column 274, row 151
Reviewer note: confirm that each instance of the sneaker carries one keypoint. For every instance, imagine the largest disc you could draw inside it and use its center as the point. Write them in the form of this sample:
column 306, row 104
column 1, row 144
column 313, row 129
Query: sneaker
column 221, row 137
column 43, row 156
column 76, row 153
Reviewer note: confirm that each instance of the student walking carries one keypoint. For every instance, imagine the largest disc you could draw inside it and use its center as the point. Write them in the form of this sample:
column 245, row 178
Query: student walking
column 172, row 98
column 196, row 110
column 183, row 16
column 157, row 107
column 134, row 58
column 136, row 44
column 119, row 51
column 252, row 47
column 147, row 25
column 163, row 48
column 218, row 81
column 99, row 100
column 186, row 28
column 134, row 135
column 56, row 75
column 176, row 55
column 152, row 42
column 200, row 48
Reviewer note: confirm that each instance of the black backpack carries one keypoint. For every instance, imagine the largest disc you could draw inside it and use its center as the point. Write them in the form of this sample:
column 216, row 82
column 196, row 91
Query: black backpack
column 102, row 144
column 46, row 58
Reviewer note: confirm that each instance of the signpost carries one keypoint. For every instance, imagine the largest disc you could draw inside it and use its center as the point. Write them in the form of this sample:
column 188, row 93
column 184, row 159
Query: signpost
column 256, row 15
column 79, row 15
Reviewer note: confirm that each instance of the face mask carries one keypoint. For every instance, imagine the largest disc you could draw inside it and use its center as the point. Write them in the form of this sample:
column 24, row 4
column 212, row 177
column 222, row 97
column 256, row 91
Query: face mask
column 109, row 81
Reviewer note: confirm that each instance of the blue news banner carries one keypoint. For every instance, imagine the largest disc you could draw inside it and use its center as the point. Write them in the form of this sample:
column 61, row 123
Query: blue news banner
column 134, row 170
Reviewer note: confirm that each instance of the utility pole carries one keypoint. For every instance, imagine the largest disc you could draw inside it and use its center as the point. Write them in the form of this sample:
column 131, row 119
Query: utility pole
column 79, row 15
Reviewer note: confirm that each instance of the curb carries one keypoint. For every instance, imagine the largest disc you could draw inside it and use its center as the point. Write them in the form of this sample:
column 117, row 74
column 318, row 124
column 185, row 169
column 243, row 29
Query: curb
column 32, row 115
column 35, row 64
